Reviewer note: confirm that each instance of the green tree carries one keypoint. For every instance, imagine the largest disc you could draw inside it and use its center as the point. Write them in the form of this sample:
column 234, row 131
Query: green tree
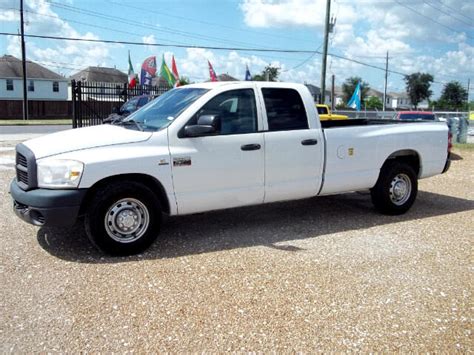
column 373, row 102
column 184, row 80
column 454, row 95
column 273, row 73
column 349, row 86
column 418, row 87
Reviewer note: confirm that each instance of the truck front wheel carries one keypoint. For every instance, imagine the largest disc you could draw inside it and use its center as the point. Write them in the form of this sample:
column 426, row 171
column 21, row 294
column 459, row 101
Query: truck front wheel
column 396, row 189
column 123, row 218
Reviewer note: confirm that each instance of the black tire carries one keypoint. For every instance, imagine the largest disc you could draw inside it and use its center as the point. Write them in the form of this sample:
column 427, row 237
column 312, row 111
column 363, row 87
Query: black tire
column 123, row 218
column 396, row 189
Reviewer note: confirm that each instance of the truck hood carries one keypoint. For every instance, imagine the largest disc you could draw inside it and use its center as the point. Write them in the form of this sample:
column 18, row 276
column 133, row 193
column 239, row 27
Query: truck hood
column 84, row 138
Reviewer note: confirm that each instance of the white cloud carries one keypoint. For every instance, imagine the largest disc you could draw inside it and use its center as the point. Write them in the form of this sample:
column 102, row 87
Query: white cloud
column 60, row 56
column 149, row 40
column 279, row 13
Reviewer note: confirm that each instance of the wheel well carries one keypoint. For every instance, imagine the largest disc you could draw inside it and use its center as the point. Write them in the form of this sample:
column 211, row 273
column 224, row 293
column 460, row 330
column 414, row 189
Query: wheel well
column 147, row 180
column 407, row 156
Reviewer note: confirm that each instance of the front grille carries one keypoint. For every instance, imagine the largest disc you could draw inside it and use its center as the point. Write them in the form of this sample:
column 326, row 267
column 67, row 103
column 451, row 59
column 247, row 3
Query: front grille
column 25, row 165
column 22, row 168
column 22, row 176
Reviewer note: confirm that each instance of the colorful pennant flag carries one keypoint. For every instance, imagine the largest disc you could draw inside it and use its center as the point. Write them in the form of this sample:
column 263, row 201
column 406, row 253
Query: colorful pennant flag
column 248, row 77
column 354, row 102
column 166, row 74
column 174, row 69
column 148, row 71
column 131, row 75
column 212, row 73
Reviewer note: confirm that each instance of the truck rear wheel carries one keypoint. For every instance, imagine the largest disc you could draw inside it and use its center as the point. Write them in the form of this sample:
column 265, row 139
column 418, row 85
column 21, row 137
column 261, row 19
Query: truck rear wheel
column 123, row 218
column 396, row 189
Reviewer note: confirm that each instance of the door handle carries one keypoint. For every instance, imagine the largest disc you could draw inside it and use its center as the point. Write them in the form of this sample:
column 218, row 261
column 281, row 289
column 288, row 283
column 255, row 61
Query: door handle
column 309, row 142
column 246, row 147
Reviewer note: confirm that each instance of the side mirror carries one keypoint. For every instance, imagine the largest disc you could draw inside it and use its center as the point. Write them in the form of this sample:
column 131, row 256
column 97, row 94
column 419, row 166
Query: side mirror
column 206, row 125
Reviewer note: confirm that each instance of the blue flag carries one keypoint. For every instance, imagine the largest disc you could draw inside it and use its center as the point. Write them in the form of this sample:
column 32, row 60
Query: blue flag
column 354, row 102
column 248, row 77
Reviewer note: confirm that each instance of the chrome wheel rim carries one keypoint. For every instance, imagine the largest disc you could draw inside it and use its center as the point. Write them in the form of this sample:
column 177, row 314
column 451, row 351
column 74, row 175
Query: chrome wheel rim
column 127, row 220
column 400, row 189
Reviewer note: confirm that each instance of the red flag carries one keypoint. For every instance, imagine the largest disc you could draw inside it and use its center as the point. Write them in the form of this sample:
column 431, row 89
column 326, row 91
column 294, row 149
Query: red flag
column 212, row 73
column 174, row 69
column 131, row 75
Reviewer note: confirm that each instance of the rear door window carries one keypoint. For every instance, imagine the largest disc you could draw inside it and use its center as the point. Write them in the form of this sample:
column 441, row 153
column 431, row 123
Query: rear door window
column 285, row 109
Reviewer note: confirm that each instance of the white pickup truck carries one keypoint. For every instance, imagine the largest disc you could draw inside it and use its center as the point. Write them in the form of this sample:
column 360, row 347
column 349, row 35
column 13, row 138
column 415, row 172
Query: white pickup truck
column 212, row 146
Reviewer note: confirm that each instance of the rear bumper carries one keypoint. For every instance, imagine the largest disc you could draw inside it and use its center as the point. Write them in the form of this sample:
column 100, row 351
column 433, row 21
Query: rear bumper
column 42, row 207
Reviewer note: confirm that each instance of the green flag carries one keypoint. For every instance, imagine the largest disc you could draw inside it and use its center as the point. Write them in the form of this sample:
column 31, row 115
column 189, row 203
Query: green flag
column 166, row 73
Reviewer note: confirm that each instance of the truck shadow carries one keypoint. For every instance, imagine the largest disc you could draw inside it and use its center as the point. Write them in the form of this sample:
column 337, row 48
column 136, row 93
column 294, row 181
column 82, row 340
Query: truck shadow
column 264, row 225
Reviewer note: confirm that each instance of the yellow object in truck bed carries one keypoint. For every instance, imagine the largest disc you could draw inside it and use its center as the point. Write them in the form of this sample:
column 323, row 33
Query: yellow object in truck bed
column 326, row 115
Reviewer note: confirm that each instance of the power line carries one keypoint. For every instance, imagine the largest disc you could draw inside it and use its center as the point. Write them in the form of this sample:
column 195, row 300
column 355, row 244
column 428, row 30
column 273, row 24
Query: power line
column 237, row 49
column 447, row 13
column 148, row 26
column 455, row 10
column 429, row 18
column 306, row 60
column 88, row 24
column 205, row 22
column 132, row 34
column 177, row 45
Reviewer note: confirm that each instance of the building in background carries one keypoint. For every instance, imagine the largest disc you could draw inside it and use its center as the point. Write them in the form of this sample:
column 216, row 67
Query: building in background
column 43, row 84
column 100, row 75
column 399, row 100
column 101, row 83
column 316, row 92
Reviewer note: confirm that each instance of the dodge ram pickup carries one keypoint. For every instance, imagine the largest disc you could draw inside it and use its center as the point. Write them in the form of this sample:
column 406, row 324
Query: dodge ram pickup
column 213, row 146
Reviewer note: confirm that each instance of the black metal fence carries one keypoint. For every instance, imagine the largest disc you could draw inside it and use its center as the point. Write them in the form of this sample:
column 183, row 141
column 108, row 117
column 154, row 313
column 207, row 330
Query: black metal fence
column 92, row 102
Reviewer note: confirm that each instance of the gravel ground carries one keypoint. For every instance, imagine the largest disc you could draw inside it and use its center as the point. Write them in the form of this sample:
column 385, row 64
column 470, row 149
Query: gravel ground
column 324, row 274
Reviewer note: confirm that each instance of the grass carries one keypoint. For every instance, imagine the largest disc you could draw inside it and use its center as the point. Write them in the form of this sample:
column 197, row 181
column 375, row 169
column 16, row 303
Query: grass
column 66, row 121
column 463, row 146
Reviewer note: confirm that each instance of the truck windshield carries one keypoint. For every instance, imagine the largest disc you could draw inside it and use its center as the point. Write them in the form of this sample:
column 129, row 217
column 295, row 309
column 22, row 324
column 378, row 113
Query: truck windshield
column 160, row 112
column 322, row 110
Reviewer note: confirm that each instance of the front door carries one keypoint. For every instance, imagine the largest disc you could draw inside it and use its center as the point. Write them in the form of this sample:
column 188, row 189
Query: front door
column 225, row 169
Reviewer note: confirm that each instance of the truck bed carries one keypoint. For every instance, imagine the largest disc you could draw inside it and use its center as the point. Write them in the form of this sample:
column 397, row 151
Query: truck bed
column 365, row 122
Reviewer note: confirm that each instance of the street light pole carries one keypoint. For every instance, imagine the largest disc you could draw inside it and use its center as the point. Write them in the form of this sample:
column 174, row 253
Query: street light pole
column 23, row 62
column 325, row 52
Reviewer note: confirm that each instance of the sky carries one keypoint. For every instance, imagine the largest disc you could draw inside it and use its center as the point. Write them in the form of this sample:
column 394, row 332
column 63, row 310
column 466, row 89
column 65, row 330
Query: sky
column 433, row 36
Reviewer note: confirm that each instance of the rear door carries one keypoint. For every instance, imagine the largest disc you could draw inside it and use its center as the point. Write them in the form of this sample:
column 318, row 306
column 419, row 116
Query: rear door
column 293, row 145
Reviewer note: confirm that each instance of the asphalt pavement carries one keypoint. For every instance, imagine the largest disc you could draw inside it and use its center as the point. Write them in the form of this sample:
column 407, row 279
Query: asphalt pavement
column 21, row 133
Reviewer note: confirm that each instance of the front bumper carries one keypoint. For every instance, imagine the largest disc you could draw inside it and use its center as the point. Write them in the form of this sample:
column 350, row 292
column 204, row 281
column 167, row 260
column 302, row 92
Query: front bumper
column 42, row 207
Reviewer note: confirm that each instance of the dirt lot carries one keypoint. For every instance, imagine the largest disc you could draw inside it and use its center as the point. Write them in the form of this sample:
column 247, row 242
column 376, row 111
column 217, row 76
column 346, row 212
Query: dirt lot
column 326, row 274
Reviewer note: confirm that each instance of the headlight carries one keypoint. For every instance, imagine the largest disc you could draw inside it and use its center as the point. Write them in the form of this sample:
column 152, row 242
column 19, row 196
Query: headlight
column 58, row 173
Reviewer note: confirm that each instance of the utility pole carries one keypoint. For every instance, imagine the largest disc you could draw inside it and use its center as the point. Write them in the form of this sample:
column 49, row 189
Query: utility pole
column 333, row 104
column 385, row 85
column 468, row 87
column 325, row 51
column 23, row 62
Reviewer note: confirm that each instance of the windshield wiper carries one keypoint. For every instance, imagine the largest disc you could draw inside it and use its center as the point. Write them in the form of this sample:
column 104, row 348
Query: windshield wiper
column 130, row 123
